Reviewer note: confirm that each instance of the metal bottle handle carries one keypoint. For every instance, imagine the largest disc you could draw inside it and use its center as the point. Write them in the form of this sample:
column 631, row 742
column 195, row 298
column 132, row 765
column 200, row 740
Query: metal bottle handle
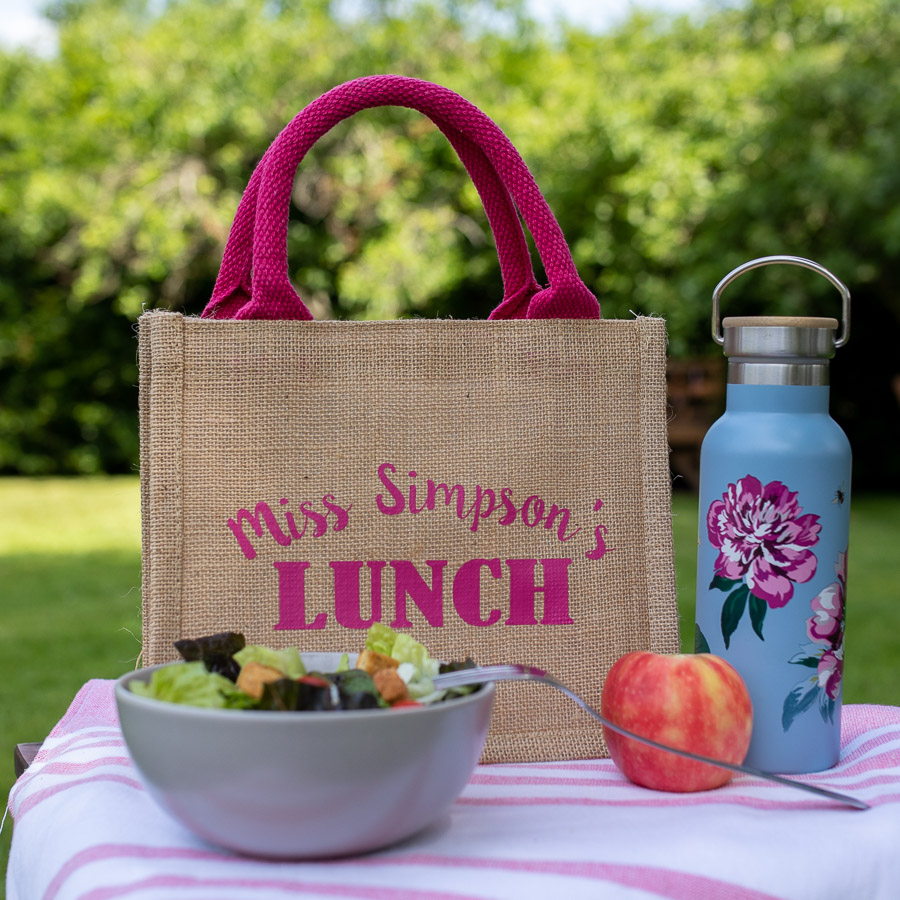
column 718, row 335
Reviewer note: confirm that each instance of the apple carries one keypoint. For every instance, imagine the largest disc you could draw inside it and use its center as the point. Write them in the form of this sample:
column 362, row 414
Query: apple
column 695, row 702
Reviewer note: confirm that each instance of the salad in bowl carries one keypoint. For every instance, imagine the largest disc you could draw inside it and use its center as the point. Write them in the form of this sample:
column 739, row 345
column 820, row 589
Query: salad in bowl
column 286, row 754
column 222, row 671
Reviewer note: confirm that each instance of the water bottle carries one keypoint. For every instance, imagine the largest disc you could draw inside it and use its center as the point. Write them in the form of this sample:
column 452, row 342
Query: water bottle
column 773, row 529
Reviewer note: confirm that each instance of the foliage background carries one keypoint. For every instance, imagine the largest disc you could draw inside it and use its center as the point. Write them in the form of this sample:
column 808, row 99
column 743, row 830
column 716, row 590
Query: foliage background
column 671, row 150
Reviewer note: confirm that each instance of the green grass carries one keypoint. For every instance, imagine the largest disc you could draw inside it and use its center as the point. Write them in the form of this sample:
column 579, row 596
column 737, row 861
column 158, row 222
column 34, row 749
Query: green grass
column 70, row 595
column 69, row 600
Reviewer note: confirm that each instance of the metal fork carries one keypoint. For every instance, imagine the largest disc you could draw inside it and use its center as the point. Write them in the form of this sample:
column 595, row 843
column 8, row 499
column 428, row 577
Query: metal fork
column 482, row 674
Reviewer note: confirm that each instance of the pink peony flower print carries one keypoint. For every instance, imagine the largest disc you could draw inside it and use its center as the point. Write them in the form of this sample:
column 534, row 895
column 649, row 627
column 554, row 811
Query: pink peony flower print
column 830, row 672
column 826, row 628
column 826, row 625
column 763, row 538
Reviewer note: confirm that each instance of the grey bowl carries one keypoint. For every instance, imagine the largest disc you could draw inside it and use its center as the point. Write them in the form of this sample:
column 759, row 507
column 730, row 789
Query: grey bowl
column 304, row 784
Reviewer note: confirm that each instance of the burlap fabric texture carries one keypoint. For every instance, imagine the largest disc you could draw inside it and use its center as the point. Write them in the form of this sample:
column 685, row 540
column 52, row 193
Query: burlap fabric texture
column 499, row 489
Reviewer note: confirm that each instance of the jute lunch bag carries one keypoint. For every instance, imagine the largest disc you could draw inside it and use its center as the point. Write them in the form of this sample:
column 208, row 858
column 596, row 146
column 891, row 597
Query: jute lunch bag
column 499, row 489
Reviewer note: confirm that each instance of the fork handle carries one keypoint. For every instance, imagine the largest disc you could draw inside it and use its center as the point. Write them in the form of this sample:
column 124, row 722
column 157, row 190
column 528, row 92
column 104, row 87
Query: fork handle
column 481, row 674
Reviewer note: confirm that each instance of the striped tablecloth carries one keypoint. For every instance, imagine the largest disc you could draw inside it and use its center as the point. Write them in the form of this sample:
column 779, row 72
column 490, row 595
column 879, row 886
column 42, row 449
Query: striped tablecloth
column 86, row 828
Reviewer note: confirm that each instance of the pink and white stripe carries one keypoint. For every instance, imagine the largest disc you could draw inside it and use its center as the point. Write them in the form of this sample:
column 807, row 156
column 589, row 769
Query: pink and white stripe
column 85, row 828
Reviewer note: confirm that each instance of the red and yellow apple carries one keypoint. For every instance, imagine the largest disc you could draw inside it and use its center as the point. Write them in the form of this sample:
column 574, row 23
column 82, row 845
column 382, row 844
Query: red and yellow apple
column 695, row 702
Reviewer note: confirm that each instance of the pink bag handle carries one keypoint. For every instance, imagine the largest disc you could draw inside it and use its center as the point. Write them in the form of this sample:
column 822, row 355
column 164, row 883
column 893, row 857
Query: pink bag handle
column 272, row 295
column 233, row 284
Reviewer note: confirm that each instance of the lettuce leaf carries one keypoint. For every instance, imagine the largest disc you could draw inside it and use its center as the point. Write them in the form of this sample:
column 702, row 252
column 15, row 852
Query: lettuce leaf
column 191, row 684
column 287, row 660
column 416, row 667
column 380, row 639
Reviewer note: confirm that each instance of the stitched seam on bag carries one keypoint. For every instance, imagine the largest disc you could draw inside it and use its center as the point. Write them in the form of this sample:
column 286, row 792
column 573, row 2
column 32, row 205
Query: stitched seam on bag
column 145, row 370
column 662, row 616
column 180, row 629
column 166, row 504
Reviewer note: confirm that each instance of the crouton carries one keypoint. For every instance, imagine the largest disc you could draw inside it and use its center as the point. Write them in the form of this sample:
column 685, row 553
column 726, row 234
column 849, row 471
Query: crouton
column 254, row 676
column 390, row 685
column 372, row 662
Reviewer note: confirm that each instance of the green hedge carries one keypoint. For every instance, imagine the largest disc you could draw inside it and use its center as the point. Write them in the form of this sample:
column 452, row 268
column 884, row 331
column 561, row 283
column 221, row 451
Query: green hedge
column 671, row 150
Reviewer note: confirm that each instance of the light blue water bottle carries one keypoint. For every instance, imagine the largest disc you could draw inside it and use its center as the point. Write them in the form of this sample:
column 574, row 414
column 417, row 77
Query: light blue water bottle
column 774, row 526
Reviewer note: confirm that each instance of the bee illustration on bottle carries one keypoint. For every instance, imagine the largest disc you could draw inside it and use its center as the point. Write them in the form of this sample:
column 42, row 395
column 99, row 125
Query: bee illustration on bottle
column 839, row 495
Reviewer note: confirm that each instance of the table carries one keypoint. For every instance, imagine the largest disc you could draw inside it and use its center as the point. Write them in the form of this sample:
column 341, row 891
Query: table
column 85, row 828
